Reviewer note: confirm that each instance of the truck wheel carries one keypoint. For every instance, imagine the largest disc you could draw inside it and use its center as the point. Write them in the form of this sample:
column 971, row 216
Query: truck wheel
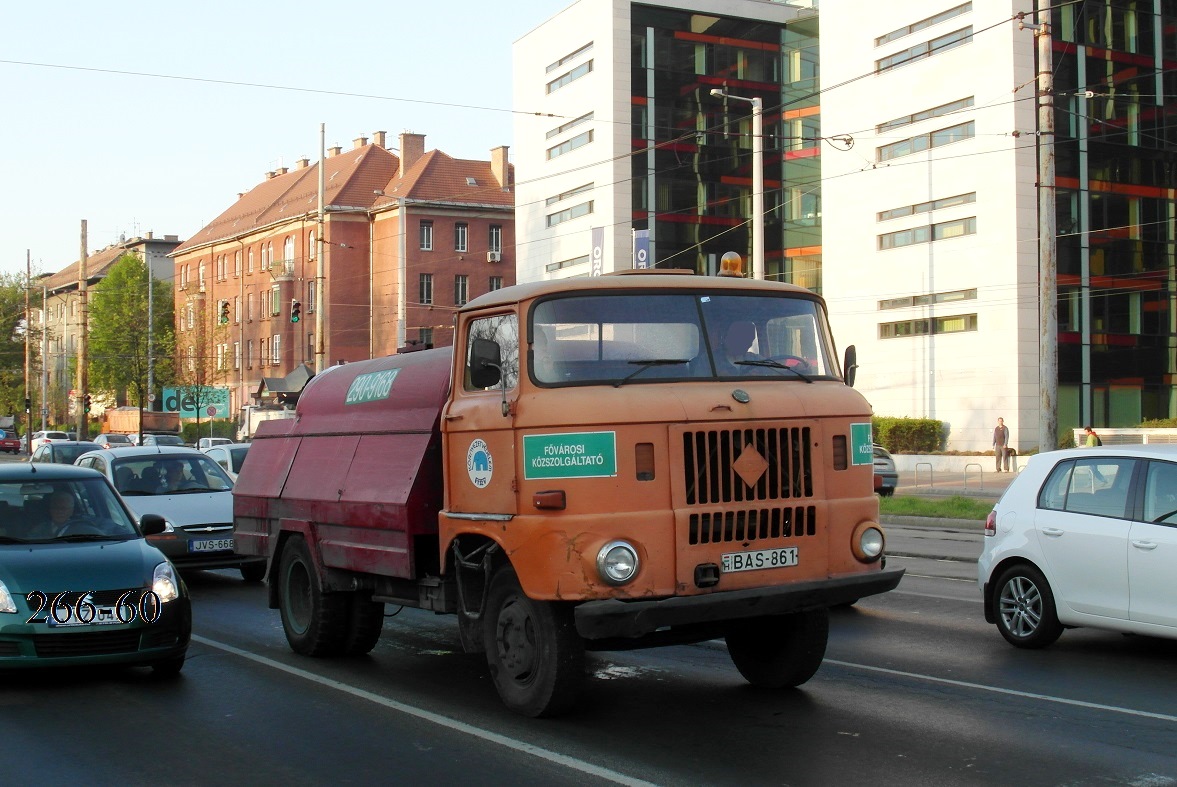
column 253, row 572
column 364, row 623
column 535, row 656
column 780, row 652
column 315, row 622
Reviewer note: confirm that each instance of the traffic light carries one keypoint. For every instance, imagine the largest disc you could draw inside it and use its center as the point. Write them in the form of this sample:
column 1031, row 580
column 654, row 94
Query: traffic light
column 295, row 310
column 224, row 312
column 86, row 403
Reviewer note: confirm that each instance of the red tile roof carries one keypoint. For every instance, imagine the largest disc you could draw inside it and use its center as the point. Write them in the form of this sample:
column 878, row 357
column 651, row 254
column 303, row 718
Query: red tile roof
column 436, row 177
column 97, row 266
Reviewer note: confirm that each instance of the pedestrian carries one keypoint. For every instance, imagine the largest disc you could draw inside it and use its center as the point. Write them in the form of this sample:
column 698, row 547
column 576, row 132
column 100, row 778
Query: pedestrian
column 1092, row 438
column 1001, row 445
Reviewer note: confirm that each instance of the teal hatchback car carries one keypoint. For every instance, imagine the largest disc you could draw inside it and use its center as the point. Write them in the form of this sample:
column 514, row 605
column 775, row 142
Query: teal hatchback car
column 79, row 584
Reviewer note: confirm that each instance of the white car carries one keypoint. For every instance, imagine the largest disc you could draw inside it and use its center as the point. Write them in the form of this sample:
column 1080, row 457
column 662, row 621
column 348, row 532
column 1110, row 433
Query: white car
column 191, row 492
column 230, row 457
column 1084, row 537
column 40, row 438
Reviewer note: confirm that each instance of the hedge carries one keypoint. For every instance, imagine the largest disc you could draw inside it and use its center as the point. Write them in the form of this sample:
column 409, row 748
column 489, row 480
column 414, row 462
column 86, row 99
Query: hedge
column 909, row 435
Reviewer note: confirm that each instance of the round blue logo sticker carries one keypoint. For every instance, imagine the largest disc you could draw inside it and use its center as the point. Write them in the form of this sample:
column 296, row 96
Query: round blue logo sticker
column 479, row 464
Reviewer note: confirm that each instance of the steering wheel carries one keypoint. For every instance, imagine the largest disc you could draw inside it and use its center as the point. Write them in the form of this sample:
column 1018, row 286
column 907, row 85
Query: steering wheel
column 81, row 526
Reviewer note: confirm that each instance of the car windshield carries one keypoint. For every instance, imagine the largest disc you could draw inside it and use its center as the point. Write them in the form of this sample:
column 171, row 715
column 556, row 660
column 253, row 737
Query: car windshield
column 117, row 438
column 66, row 454
column 62, row 510
column 164, row 439
column 641, row 338
column 169, row 474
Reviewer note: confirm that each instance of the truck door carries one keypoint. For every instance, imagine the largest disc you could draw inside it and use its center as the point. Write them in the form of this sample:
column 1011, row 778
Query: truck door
column 480, row 439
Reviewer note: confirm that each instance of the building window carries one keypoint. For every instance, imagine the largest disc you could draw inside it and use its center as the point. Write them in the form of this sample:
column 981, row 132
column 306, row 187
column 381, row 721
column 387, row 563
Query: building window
column 266, row 295
column 461, row 290
column 236, row 355
column 928, row 233
column 555, row 266
column 933, row 139
column 568, row 58
column 275, row 302
column 426, row 289
column 571, row 124
column 220, row 357
column 926, row 49
column 288, row 249
column 200, row 275
column 928, row 299
column 249, row 266
column 249, row 353
column 261, row 355
column 269, row 255
column 237, row 265
column 495, row 238
column 927, row 114
column 310, row 345
column 249, row 307
column 584, row 69
column 191, row 316
column 496, row 283
column 943, row 16
column 928, row 326
column 276, row 349
column 237, row 309
column 311, row 249
column 221, row 268
column 576, row 211
column 461, row 235
column 425, row 337
column 191, row 359
column 570, row 193
column 426, row 236
column 927, row 207
column 310, row 301
column 571, row 144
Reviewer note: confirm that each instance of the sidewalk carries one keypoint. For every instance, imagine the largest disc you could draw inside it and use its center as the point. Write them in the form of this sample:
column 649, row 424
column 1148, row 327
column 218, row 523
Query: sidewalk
column 981, row 484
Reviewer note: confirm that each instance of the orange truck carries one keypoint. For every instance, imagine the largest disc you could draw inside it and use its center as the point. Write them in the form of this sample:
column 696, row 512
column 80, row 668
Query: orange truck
column 599, row 463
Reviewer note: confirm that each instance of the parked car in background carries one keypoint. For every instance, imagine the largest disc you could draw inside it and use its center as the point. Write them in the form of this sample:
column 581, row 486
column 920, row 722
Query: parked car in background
column 42, row 437
column 113, row 440
column 10, row 442
column 191, row 492
column 886, row 477
column 1084, row 537
column 209, row 442
column 62, row 452
column 230, row 457
column 80, row 584
column 162, row 439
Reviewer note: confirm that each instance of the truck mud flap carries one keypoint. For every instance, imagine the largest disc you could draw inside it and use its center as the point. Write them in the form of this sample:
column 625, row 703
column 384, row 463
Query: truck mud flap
column 613, row 618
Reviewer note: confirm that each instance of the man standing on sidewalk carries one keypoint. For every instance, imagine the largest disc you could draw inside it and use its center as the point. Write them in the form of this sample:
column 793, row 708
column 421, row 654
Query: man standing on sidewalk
column 1001, row 445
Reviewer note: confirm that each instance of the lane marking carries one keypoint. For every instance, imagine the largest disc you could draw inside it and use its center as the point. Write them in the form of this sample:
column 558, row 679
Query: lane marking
column 442, row 721
column 1009, row 692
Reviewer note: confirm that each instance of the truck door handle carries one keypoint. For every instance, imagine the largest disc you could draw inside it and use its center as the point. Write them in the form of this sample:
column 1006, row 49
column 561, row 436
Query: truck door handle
column 1053, row 532
column 1145, row 545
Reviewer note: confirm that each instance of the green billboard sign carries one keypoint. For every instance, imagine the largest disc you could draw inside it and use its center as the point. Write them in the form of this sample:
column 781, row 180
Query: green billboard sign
column 570, row 455
column 862, row 451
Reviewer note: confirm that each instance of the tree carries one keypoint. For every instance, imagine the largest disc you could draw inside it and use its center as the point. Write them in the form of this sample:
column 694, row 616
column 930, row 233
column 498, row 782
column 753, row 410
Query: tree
column 118, row 332
column 199, row 363
column 12, row 345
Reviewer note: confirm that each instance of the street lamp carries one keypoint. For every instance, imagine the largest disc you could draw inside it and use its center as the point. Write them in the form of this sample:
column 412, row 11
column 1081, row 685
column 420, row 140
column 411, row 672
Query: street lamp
column 757, row 178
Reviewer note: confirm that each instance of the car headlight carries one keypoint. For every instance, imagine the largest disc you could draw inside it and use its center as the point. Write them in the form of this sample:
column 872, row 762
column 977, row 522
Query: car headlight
column 868, row 542
column 7, row 603
column 617, row 562
column 165, row 584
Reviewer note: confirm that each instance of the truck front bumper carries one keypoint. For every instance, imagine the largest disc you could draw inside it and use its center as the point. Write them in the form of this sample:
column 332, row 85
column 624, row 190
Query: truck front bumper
column 613, row 618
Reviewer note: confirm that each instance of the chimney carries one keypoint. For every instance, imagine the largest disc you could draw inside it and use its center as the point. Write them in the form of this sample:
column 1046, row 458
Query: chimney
column 303, row 163
column 498, row 166
column 379, row 137
column 150, row 235
column 412, row 149
column 358, row 143
column 270, row 175
column 240, row 194
column 283, row 170
column 334, row 151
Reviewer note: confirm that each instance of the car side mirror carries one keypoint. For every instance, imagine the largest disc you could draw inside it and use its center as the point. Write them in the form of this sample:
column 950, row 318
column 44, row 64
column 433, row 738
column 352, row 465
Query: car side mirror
column 850, row 365
column 152, row 524
column 485, row 363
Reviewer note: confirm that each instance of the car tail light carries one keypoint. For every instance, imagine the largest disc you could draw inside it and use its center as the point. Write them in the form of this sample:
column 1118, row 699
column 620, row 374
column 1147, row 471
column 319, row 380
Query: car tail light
column 991, row 523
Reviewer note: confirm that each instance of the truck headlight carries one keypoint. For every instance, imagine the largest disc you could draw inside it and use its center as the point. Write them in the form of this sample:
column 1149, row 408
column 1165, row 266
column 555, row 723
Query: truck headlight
column 617, row 562
column 868, row 542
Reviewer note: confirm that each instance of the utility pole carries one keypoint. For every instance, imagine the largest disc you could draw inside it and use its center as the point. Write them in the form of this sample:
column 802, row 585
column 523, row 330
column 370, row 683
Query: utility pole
column 83, row 339
column 1047, row 240
column 150, row 328
column 44, row 357
column 28, row 365
column 320, row 264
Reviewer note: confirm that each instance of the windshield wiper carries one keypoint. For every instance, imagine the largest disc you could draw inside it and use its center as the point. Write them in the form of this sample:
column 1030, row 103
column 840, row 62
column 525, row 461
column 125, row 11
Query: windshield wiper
column 646, row 364
column 771, row 364
column 84, row 537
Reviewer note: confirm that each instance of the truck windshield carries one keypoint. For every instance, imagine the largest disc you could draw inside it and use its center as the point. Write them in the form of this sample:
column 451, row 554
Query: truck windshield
column 642, row 338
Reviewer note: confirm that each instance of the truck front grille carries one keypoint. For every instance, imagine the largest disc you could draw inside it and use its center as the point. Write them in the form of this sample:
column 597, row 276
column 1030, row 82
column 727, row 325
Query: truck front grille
column 746, row 465
column 749, row 525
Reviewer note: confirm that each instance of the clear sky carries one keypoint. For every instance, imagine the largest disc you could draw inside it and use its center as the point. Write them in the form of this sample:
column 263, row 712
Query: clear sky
column 133, row 153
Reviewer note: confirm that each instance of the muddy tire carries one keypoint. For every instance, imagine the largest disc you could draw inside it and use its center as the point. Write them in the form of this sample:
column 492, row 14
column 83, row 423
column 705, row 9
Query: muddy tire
column 364, row 624
column 780, row 652
column 315, row 622
column 535, row 656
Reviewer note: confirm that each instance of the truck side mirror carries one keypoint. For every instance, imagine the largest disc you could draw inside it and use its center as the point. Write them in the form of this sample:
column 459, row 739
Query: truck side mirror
column 485, row 363
column 850, row 365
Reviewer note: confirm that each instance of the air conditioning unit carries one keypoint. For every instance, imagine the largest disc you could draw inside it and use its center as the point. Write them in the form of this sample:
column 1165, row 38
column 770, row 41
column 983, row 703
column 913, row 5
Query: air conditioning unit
column 494, row 256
